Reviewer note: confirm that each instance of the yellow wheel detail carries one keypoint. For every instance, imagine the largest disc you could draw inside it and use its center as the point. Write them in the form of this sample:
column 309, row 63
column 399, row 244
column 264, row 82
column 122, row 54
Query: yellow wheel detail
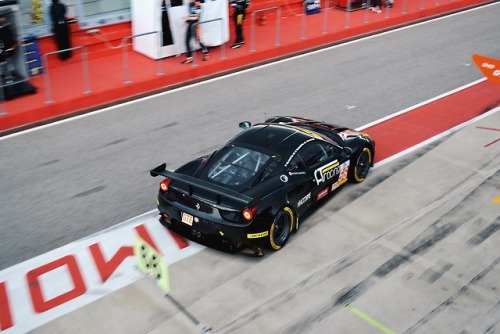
column 361, row 165
column 281, row 228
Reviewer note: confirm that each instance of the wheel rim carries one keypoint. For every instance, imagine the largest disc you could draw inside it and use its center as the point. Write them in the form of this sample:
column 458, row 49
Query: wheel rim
column 363, row 164
column 280, row 230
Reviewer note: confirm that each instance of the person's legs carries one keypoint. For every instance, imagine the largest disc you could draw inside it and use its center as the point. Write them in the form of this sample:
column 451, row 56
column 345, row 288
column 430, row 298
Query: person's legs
column 204, row 49
column 189, row 53
column 238, row 23
column 65, row 41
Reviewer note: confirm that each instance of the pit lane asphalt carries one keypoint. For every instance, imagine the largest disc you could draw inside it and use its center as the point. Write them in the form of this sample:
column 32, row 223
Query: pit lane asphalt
column 413, row 249
column 64, row 182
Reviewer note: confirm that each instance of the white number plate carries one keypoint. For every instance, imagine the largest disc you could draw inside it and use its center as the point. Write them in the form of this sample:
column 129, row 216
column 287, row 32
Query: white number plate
column 187, row 219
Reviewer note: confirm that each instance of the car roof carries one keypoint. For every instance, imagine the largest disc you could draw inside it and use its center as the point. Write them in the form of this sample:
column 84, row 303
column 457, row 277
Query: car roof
column 282, row 139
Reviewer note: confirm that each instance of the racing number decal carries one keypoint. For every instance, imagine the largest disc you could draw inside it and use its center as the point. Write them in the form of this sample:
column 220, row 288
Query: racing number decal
column 343, row 174
column 344, row 169
column 150, row 262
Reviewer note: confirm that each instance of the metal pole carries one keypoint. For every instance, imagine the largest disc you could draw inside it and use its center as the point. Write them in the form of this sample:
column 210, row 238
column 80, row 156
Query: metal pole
column 46, row 77
column 325, row 17
column 223, row 46
column 86, row 74
column 252, row 26
column 159, row 67
column 303, row 30
column 348, row 13
column 223, row 51
column 252, row 32
column 126, row 64
column 367, row 12
column 48, row 92
column 126, row 70
column 278, row 26
column 387, row 9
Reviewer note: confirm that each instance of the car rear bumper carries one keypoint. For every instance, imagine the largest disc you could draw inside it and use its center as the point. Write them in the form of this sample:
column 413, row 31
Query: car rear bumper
column 204, row 229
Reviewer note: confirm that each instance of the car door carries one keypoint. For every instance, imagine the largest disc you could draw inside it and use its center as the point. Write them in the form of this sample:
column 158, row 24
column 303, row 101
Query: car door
column 322, row 164
column 315, row 165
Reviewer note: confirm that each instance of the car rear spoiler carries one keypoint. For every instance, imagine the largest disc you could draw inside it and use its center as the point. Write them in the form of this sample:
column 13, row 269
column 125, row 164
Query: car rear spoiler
column 191, row 185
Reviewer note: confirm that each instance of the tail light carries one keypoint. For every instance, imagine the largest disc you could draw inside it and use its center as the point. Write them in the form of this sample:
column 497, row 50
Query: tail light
column 164, row 184
column 249, row 213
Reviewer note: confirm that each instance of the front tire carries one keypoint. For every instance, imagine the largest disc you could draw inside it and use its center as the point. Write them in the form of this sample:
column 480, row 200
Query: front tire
column 360, row 165
column 281, row 228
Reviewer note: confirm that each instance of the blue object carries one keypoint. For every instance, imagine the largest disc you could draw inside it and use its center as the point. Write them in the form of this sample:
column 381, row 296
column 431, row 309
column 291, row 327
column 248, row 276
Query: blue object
column 313, row 6
column 32, row 55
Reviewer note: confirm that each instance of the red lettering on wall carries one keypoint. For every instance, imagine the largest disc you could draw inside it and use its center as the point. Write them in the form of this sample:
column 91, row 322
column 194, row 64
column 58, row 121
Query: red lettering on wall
column 107, row 268
column 180, row 241
column 41, row 305
column 144, row 234
column 5, row 315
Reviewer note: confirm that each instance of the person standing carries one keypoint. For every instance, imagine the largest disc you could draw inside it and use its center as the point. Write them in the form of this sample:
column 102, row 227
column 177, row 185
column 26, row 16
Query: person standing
column 8, row 42
column 240, row 10
column 60, row 29
column 193, row 30
column 8, row 45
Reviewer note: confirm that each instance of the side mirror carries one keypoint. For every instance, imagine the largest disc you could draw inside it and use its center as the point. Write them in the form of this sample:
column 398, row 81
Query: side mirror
column 245, row 125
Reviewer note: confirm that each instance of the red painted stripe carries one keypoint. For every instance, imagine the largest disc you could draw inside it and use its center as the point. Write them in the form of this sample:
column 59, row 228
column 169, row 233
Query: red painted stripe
column 493, row 142
column 179, row 241
column 486, row 128
column 409, row 129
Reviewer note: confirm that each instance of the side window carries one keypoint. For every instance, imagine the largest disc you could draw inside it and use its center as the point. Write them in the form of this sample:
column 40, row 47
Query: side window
column 317, row 152
column 296, row 164
column 332, row 151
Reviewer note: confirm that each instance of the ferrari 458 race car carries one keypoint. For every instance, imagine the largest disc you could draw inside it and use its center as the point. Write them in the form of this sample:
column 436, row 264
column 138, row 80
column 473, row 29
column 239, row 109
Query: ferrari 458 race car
column 252, row 192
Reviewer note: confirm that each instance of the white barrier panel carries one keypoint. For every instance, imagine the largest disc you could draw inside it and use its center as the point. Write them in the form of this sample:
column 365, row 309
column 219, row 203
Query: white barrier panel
column 168, row 18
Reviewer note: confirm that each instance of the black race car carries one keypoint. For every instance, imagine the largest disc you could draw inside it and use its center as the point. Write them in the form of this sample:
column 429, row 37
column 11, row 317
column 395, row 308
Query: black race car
column 253, row 190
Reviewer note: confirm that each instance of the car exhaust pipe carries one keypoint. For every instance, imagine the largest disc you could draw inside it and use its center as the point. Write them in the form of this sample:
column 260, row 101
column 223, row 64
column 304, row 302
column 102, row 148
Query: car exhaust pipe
column 196, row 233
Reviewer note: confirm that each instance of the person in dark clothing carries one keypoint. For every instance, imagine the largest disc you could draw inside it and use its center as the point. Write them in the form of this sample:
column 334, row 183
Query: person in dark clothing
column 8, row 42
column 8, row 45
column 193, row 30
column 60, row 28
column 240, row 10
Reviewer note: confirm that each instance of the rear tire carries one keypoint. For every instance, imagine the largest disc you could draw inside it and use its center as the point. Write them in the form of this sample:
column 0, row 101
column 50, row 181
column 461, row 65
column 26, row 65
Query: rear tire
column 281, row 228
column 360, row 165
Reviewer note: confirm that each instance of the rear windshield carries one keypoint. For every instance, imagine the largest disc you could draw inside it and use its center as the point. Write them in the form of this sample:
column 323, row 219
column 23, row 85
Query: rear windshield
column 235, row 166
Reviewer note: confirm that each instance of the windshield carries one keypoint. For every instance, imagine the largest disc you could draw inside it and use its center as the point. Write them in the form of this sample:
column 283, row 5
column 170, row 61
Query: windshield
column 234, row 166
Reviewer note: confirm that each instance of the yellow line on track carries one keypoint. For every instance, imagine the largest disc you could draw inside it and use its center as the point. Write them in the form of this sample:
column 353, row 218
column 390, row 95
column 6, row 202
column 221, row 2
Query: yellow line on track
column 369, row 320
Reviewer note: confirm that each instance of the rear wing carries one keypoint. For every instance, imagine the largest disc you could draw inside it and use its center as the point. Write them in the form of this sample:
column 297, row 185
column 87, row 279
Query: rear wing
column 201, row 188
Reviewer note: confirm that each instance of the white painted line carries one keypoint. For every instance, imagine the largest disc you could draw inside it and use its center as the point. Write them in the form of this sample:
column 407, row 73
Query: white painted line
column 404, row 111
